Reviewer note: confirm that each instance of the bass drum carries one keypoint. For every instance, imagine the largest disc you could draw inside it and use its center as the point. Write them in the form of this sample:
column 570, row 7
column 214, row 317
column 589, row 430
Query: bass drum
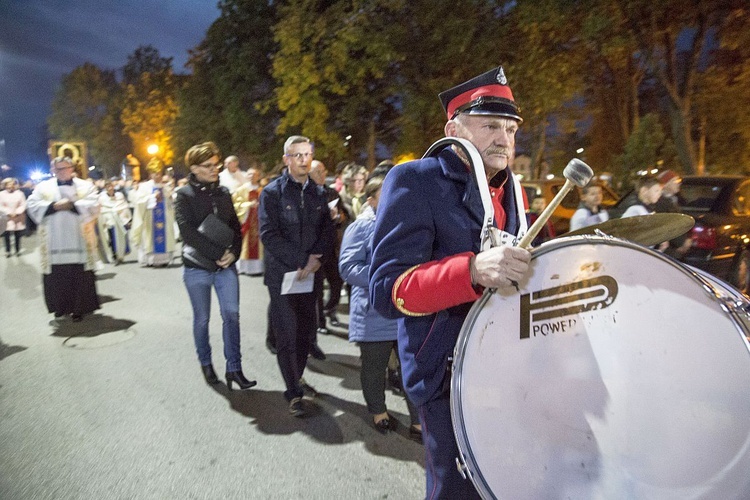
column 616, row 372
column 736, row 301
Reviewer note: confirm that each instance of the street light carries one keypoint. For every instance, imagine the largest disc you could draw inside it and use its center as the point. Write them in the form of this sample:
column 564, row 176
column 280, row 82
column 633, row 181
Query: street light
column 152, row 149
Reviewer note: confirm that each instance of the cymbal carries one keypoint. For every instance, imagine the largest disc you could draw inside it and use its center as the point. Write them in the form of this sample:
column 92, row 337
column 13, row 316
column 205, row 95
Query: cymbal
column 646, row 230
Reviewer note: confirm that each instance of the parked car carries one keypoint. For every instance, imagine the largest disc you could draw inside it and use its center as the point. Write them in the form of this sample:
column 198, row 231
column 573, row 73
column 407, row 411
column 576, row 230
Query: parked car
column 548, row 188
column 720, row 206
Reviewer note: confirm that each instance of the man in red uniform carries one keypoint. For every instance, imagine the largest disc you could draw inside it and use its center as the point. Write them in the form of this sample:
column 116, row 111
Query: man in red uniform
column 427, row 268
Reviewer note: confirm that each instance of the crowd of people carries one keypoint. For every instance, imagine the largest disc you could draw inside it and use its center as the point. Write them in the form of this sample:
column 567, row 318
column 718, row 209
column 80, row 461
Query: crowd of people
column 292, row 222
column 650, row 194
column 403, row 241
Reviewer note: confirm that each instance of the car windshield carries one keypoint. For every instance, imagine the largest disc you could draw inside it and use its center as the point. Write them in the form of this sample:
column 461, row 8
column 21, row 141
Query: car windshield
column 698, row 197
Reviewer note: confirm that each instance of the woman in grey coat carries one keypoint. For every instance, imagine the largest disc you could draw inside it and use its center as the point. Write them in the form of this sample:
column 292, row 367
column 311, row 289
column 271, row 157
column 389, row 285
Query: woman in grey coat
column 375, row 335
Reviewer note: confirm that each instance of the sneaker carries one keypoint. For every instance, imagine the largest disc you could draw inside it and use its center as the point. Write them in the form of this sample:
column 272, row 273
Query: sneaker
column 296, row 409
column 333, row 319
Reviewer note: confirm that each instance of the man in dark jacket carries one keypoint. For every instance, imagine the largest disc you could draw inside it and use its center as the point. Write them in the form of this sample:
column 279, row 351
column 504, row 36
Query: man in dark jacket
column 330, row 267
column 296, row 230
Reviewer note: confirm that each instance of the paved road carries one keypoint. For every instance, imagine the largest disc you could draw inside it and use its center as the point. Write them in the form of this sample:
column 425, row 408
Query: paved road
column 116, row 406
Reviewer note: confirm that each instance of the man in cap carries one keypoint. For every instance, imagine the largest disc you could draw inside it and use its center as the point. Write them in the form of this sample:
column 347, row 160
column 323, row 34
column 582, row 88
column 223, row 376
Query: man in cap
column 427, row 268
column 669, row 203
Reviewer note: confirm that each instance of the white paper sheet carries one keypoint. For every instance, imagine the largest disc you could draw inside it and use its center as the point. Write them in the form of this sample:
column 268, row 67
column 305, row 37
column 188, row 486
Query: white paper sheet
column 292, row 285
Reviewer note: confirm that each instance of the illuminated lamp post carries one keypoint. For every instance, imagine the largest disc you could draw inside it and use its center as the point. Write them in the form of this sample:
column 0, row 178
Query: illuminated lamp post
column 154, row 165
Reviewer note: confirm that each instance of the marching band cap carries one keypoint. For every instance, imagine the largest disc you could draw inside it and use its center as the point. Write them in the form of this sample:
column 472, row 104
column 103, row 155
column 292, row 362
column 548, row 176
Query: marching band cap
column 667, row 176
column 486, row 94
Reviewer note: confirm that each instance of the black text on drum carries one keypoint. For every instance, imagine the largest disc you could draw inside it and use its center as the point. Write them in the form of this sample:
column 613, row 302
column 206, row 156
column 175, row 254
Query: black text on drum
column 540, row 307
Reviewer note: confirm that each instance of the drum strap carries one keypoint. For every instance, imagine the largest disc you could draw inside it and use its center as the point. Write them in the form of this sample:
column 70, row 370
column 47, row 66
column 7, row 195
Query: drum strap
column 490, row 236
column 445, row 388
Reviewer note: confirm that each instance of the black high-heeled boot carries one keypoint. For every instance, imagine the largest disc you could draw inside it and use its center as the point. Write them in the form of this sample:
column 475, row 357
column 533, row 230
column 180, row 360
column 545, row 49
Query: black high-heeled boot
column 239, row 379
column 210, row 375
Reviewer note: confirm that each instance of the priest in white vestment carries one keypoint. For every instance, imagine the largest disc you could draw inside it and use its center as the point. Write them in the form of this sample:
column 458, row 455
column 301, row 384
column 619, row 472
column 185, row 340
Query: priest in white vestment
column 153, row 222
column 114, row 217
column 66, row 209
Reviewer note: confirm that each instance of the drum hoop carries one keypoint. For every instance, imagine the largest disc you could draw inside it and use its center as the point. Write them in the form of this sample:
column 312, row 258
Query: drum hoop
column 468, row 463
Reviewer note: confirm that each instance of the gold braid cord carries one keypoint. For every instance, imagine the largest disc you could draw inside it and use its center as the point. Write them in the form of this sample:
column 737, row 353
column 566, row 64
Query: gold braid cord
column 398, row 301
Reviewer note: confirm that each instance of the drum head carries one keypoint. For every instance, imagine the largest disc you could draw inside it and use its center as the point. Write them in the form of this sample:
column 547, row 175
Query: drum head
column 614, row 373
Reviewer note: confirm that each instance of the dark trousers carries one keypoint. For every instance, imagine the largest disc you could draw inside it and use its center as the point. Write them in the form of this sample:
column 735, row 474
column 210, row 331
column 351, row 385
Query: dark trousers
column 375, row 356
column 443, row 479
column 270, row 336
column 293, row 325
column 18, row 235
column 329, row 271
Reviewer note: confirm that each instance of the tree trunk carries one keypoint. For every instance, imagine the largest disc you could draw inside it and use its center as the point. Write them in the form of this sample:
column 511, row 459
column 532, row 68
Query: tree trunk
column 372, row 139
column 680, row 125
column 537, row 159
column 701, row 166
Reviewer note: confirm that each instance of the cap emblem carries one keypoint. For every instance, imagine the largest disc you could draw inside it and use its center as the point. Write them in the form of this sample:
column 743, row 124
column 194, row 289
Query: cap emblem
column 501, row 77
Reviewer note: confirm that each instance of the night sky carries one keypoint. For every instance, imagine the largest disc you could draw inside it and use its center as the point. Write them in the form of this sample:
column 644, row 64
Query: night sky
column 41, row 40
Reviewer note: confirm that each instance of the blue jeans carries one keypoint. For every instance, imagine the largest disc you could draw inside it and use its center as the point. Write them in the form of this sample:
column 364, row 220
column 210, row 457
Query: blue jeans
column 198, row 283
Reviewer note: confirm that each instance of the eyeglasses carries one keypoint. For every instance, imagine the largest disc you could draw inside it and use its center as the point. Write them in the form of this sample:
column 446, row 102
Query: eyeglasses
column 212, row 165
column 300, row 156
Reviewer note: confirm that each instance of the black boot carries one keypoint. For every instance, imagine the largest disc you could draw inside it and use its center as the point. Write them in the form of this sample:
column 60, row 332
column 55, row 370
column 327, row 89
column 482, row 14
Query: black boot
column 210, row 375
column 316, row 352
column 239, row 379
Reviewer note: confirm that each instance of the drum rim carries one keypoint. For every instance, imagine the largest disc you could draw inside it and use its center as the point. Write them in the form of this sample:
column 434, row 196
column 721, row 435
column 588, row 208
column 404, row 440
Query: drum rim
column 466, row 459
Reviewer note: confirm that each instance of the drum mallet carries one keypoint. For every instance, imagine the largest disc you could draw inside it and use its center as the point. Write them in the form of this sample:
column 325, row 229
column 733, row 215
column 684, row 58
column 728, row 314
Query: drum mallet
column 576, row 173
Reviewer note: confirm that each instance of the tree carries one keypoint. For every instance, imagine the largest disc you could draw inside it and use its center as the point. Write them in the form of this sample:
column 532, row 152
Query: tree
column 145, row 59
column 647, row 147
column 546, row 74
column 149, row 102
column 335, row 73
column 671, row 37
column 222, row 100
column 612, row 76
column 86, row 108
column 724, row 98
column 441, row 49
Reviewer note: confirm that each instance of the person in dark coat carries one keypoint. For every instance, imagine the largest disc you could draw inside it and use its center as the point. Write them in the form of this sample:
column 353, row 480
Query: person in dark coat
column 209, row 259
column 296, row 230
column 427, row 268
column 329, row 270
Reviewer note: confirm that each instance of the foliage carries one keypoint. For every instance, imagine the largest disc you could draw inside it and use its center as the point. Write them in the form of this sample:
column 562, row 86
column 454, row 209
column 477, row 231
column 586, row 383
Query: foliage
column 671, row 37
column 230, row 79
column 440, row 50
column 86, row 108
column 648, row 147
column 149, row 102
column 724, row 99
column 583, row 71
column 335, row 72
column 545, row 74
column 146, row 59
